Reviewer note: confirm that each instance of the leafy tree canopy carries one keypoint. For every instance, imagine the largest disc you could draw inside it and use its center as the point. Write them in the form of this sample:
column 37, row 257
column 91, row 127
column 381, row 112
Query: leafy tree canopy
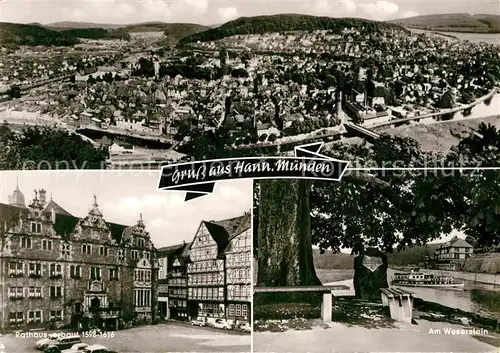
column 48, row 148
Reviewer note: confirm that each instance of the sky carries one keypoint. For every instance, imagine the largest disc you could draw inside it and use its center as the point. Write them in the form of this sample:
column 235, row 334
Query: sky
column 211, row 12
column 123, row 195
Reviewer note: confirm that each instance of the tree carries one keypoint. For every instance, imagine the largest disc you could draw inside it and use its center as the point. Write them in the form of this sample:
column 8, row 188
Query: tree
column 272, row 138
column 223, row 56
column 14, row 92
column 48, row 148
column 284, row 235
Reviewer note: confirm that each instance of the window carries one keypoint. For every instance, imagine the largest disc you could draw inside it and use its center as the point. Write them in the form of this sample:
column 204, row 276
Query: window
column 26, row 242
column 35, row 316
column 47, row 245
column 36, row 227
column 75, row 271
column 140, row 242
column 56, row 315
column 135, row 254
column 231, row 309
column 103, row 251
column 55, row 292
column 238, row 309
column 87, row 249
column 35, row 292
column 244, row 310
column 16, row 292
column 16, row 317
column 15, row 269
column 55, row 270
column 35, row 269
column 95, row 273
column 114, row 274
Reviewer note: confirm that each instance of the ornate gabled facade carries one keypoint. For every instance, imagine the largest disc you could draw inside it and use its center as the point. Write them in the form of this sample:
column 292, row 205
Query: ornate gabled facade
column 57, row 269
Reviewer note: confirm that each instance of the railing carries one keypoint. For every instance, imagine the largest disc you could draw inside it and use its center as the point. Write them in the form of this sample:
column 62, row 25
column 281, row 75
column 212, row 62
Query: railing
column 326, row 306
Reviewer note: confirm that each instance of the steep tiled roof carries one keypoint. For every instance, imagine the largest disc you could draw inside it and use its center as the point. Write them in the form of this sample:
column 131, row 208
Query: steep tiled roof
column 52, row 205
column 219, row 235
column 233, row 225
column 65, row 223
column 171, row 250
column 457, row 243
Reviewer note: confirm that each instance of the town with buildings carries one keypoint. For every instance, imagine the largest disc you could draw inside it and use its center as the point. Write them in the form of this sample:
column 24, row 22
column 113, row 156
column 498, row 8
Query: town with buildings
column 63, row 273
column 242, row 92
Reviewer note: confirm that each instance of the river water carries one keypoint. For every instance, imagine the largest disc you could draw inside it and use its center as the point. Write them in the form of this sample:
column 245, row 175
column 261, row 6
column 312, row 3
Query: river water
column 482, row 299
column 478, row 298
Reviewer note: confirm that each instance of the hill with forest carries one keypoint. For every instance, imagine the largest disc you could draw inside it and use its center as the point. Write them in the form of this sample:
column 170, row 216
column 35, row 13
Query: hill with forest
column 97, row 33
column 459, row 22
column 70, row 33
column 410, row 256
column 173, row 31
column 15, row 34
column 80, row 25
column 284, row 23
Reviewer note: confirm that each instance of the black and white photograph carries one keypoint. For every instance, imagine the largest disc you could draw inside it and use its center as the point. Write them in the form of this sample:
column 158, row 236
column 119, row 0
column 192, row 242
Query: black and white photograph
column 382, row 261
column 98, row 262
column 137, row 84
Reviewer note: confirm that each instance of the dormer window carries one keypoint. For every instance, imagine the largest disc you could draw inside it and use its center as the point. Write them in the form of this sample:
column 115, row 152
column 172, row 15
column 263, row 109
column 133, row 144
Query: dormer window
column 36, row 227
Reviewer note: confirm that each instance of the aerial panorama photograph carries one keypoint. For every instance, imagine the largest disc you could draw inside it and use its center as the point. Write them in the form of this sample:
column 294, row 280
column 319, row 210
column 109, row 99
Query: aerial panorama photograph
column 140, row 84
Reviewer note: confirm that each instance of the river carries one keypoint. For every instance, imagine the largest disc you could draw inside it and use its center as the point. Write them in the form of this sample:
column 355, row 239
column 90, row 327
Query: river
column 482, row 299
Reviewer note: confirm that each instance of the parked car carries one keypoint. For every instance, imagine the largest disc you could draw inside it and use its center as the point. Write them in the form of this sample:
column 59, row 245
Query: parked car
column 245, row 327
column 40, row 343
column 223, row 324
column 97, row 348
column 77, row 347
column 61, row 343
column 198, row 322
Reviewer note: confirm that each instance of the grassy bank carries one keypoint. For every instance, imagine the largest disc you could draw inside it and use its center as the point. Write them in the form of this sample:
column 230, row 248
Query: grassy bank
column 278, row 317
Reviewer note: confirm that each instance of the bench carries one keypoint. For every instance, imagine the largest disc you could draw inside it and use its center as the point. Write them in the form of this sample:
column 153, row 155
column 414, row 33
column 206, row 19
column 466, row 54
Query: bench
column 400, row 303
column 326, row 305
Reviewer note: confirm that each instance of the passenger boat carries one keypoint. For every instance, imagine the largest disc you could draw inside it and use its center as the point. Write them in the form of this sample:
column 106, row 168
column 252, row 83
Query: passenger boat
column 417, row 278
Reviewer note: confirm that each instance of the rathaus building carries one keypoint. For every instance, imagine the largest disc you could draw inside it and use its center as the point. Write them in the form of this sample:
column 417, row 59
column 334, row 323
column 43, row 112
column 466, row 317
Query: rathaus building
column 57, row 269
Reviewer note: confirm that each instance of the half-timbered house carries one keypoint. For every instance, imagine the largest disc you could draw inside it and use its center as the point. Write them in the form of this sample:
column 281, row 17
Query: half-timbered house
column 173, row 281
column 238, row 274
column 208, row 274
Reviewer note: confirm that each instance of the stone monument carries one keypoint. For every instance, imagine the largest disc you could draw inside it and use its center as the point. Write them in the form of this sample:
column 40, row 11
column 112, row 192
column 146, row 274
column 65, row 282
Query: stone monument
column 370, row 274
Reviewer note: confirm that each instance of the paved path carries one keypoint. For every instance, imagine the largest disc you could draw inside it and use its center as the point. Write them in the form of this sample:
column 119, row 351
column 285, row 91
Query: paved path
column 171, row 337
column 339, row 338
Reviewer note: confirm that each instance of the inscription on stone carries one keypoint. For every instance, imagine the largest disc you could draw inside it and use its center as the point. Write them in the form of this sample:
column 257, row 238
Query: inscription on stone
column 372, row 262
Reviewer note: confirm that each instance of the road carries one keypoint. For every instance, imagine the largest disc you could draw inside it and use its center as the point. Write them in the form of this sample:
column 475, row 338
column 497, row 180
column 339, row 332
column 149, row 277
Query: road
column 170, row 337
